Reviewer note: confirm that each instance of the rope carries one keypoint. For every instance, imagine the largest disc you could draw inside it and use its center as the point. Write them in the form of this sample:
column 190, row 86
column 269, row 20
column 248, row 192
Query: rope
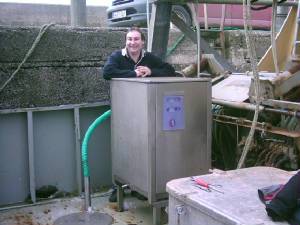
column 28, row 54
column 148, row 25
column 193, row 9
column 253, row 59
column 273, row 34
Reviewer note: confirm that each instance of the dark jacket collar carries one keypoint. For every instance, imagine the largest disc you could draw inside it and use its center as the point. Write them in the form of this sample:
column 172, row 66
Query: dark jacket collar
column 125, row 53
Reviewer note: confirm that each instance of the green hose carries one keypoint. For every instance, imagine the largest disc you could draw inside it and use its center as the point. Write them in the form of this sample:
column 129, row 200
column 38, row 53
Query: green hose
column 88, row 134
column 174, row 46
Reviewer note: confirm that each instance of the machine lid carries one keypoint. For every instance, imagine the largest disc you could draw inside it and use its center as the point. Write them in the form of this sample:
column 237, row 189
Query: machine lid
column 163, row 79
column 234, row 88
column 239, row 203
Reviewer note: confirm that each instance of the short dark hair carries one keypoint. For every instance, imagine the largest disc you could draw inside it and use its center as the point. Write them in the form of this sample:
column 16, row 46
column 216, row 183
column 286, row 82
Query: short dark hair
column 138, row 30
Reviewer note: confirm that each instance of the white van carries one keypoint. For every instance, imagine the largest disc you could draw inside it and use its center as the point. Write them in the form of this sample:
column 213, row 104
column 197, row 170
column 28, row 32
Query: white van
column 127, row 13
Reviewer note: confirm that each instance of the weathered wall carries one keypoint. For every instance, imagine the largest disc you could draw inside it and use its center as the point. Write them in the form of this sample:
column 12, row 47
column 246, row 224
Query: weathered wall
column 66, row 66
column 17, row 14
column 236, row 50
column 235, row 44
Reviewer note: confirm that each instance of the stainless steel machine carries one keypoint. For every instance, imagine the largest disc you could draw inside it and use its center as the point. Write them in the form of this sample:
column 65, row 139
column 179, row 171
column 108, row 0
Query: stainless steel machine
column 161, row 130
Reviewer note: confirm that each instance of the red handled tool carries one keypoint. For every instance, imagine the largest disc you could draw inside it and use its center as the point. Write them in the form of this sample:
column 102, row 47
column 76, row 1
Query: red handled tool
column 208, row 187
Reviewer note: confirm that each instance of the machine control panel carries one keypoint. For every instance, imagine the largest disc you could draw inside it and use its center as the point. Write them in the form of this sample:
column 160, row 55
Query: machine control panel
column 173, row 114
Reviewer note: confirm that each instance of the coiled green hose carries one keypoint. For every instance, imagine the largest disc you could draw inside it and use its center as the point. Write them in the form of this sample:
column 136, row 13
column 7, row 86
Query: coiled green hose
column 84, row 146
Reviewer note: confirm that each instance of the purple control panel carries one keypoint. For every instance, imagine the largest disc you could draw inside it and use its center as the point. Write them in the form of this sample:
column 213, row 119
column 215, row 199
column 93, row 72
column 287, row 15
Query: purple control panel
column 173, row 114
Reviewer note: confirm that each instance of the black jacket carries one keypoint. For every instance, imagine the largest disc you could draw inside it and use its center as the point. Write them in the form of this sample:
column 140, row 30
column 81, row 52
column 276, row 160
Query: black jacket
column 120, row 65
column 285, row 205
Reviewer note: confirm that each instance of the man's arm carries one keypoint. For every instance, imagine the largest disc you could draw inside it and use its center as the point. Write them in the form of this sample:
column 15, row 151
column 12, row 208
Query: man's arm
column 112, row 68
column 160, row 68
column 286, row 74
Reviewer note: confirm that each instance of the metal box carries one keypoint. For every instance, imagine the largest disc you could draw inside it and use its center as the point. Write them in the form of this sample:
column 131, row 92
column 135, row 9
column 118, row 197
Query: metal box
column 161, row 130
column 239, row 203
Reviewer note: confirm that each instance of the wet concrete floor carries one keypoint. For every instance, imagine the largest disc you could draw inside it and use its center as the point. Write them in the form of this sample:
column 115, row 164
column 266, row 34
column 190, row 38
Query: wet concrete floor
column 45, row 213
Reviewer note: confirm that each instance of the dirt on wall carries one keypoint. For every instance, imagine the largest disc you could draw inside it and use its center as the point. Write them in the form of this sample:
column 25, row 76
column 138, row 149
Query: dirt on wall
column 66, row 65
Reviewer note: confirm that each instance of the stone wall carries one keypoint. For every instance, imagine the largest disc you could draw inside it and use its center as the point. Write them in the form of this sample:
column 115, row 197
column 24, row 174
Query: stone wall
column 66, row 66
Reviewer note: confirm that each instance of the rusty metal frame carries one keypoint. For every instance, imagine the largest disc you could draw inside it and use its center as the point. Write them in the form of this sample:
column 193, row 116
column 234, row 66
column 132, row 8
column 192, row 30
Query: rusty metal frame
column 261, row 126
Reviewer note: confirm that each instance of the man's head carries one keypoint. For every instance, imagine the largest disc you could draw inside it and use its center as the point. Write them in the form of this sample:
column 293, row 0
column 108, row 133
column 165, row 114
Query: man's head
column 135, row 41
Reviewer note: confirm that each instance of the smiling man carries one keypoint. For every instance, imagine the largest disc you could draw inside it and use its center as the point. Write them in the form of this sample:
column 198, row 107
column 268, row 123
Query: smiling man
column 134, row 61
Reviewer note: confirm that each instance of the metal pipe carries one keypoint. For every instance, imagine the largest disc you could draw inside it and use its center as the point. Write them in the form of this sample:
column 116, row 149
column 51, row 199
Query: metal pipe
column 242, row 105
column 84, row 157
column 87, row 195
column 77, row 149
column 261, row 126
column 31, row 156
column 284, row 112
column 251, row 107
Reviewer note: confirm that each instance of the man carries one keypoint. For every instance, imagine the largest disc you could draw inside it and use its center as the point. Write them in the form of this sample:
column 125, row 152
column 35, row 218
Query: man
column 283, row 76
column 134, row 61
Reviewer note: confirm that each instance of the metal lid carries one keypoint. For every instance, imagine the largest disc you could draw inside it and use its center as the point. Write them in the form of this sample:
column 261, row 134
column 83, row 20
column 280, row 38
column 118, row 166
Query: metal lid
column 163, row 79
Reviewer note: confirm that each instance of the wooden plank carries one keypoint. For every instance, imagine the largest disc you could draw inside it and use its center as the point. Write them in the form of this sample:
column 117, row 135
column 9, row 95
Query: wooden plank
column 180, row 24
column 159, row 28
column 284, row 44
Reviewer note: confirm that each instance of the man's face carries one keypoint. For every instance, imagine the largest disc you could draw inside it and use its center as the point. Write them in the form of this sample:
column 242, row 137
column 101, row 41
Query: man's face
column 134, row 42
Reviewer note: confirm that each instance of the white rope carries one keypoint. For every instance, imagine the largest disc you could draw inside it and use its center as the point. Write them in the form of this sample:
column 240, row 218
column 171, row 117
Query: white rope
column 28, row 54
column 148, row 25
column 193, row 8
column 253, row 59
column 273, row 36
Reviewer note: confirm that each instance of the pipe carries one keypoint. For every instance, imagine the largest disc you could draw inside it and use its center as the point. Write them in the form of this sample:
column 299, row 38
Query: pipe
column 175, row 45
column 251, row 107
column 84, row 157
column 284, row 112
column 87, row 195
column 242, row 105
column 261, row 126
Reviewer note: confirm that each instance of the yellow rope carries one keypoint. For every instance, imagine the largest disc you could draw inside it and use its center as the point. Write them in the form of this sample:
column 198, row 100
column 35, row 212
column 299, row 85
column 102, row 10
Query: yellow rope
column 28, row 54
column 273, row 35
column 251, row 51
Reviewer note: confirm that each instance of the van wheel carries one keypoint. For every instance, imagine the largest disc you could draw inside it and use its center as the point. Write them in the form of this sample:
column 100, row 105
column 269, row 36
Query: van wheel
column 183, row 13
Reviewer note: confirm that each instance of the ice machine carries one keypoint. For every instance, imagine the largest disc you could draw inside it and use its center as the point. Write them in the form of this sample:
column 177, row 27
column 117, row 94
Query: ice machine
column 161, row 130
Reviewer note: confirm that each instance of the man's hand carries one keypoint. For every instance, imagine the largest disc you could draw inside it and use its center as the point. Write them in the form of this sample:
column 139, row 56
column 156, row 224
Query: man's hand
column 281, row 77
column 143, row 71
column 138, row 73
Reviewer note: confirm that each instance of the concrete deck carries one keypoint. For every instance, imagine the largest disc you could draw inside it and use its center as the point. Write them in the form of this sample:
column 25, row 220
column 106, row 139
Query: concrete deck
column 45, row 213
